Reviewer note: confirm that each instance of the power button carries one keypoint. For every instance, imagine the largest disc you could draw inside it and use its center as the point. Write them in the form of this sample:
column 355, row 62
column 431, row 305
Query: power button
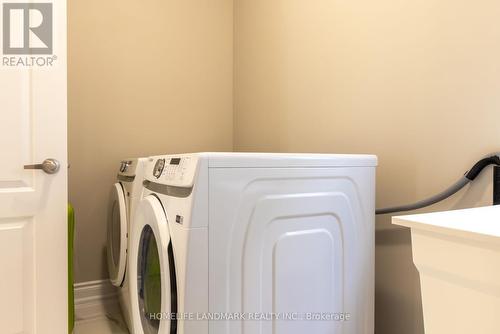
column 179, row 219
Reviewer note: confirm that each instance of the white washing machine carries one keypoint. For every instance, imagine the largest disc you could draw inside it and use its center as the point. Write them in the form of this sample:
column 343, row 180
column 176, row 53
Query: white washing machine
column 124, row 198
column 233, row 243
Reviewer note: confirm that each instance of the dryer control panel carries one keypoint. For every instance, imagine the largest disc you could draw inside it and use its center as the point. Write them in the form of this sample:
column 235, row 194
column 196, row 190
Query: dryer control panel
column 177, row 171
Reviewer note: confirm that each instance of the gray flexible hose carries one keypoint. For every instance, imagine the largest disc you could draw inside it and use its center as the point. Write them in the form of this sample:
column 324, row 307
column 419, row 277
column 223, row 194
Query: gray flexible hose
column 429, row 201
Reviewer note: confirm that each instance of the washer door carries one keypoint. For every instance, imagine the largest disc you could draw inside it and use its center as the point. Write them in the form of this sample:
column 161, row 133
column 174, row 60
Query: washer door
column 117, row 235
column 152, row 271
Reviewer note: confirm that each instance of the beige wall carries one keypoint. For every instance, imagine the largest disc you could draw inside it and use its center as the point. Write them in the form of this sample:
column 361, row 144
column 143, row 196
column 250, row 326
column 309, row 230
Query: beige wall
column 145, row 77
column 415, row 82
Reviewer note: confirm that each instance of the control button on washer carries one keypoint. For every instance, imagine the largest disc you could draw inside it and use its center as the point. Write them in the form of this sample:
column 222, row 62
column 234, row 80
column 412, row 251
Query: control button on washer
column 179, row 219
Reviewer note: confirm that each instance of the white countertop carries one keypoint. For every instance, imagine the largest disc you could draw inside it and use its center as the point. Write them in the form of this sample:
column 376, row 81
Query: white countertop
column 475, row 223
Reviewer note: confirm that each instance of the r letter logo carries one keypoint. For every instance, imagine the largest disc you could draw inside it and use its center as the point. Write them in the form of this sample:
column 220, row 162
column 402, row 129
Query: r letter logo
column 27, row 29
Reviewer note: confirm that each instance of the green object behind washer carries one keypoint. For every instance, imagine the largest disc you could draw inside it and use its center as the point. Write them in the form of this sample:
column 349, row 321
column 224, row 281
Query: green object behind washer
column 71, row 293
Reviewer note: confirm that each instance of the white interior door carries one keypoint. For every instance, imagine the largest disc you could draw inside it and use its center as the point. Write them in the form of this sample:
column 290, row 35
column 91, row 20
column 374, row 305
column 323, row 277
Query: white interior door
column 33, row 218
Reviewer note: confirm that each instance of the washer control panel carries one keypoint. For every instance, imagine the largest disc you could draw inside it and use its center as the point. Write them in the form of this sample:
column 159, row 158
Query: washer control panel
column 124, row 166
column 177, row 171
column 127, row 167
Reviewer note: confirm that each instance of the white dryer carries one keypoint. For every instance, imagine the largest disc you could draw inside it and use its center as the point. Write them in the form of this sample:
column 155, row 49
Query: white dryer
column 124, row 198
column 233, row 243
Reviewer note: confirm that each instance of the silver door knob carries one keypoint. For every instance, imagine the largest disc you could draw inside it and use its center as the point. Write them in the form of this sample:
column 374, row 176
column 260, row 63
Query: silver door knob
column 49, row 166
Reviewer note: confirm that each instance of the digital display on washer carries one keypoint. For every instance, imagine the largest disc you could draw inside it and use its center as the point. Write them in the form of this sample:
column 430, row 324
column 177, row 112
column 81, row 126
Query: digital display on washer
column 175, row 161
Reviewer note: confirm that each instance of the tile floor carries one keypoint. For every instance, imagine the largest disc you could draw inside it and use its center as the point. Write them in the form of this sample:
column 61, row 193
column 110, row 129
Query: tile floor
column 100, row 325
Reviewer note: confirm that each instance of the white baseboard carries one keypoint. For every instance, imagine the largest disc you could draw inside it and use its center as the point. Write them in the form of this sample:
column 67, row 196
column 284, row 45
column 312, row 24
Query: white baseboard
column 95, row 299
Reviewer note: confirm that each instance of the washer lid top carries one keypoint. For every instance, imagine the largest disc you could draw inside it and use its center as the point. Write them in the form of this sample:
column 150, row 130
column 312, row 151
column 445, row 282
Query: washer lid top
column 288, row 160
column 117, row 235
